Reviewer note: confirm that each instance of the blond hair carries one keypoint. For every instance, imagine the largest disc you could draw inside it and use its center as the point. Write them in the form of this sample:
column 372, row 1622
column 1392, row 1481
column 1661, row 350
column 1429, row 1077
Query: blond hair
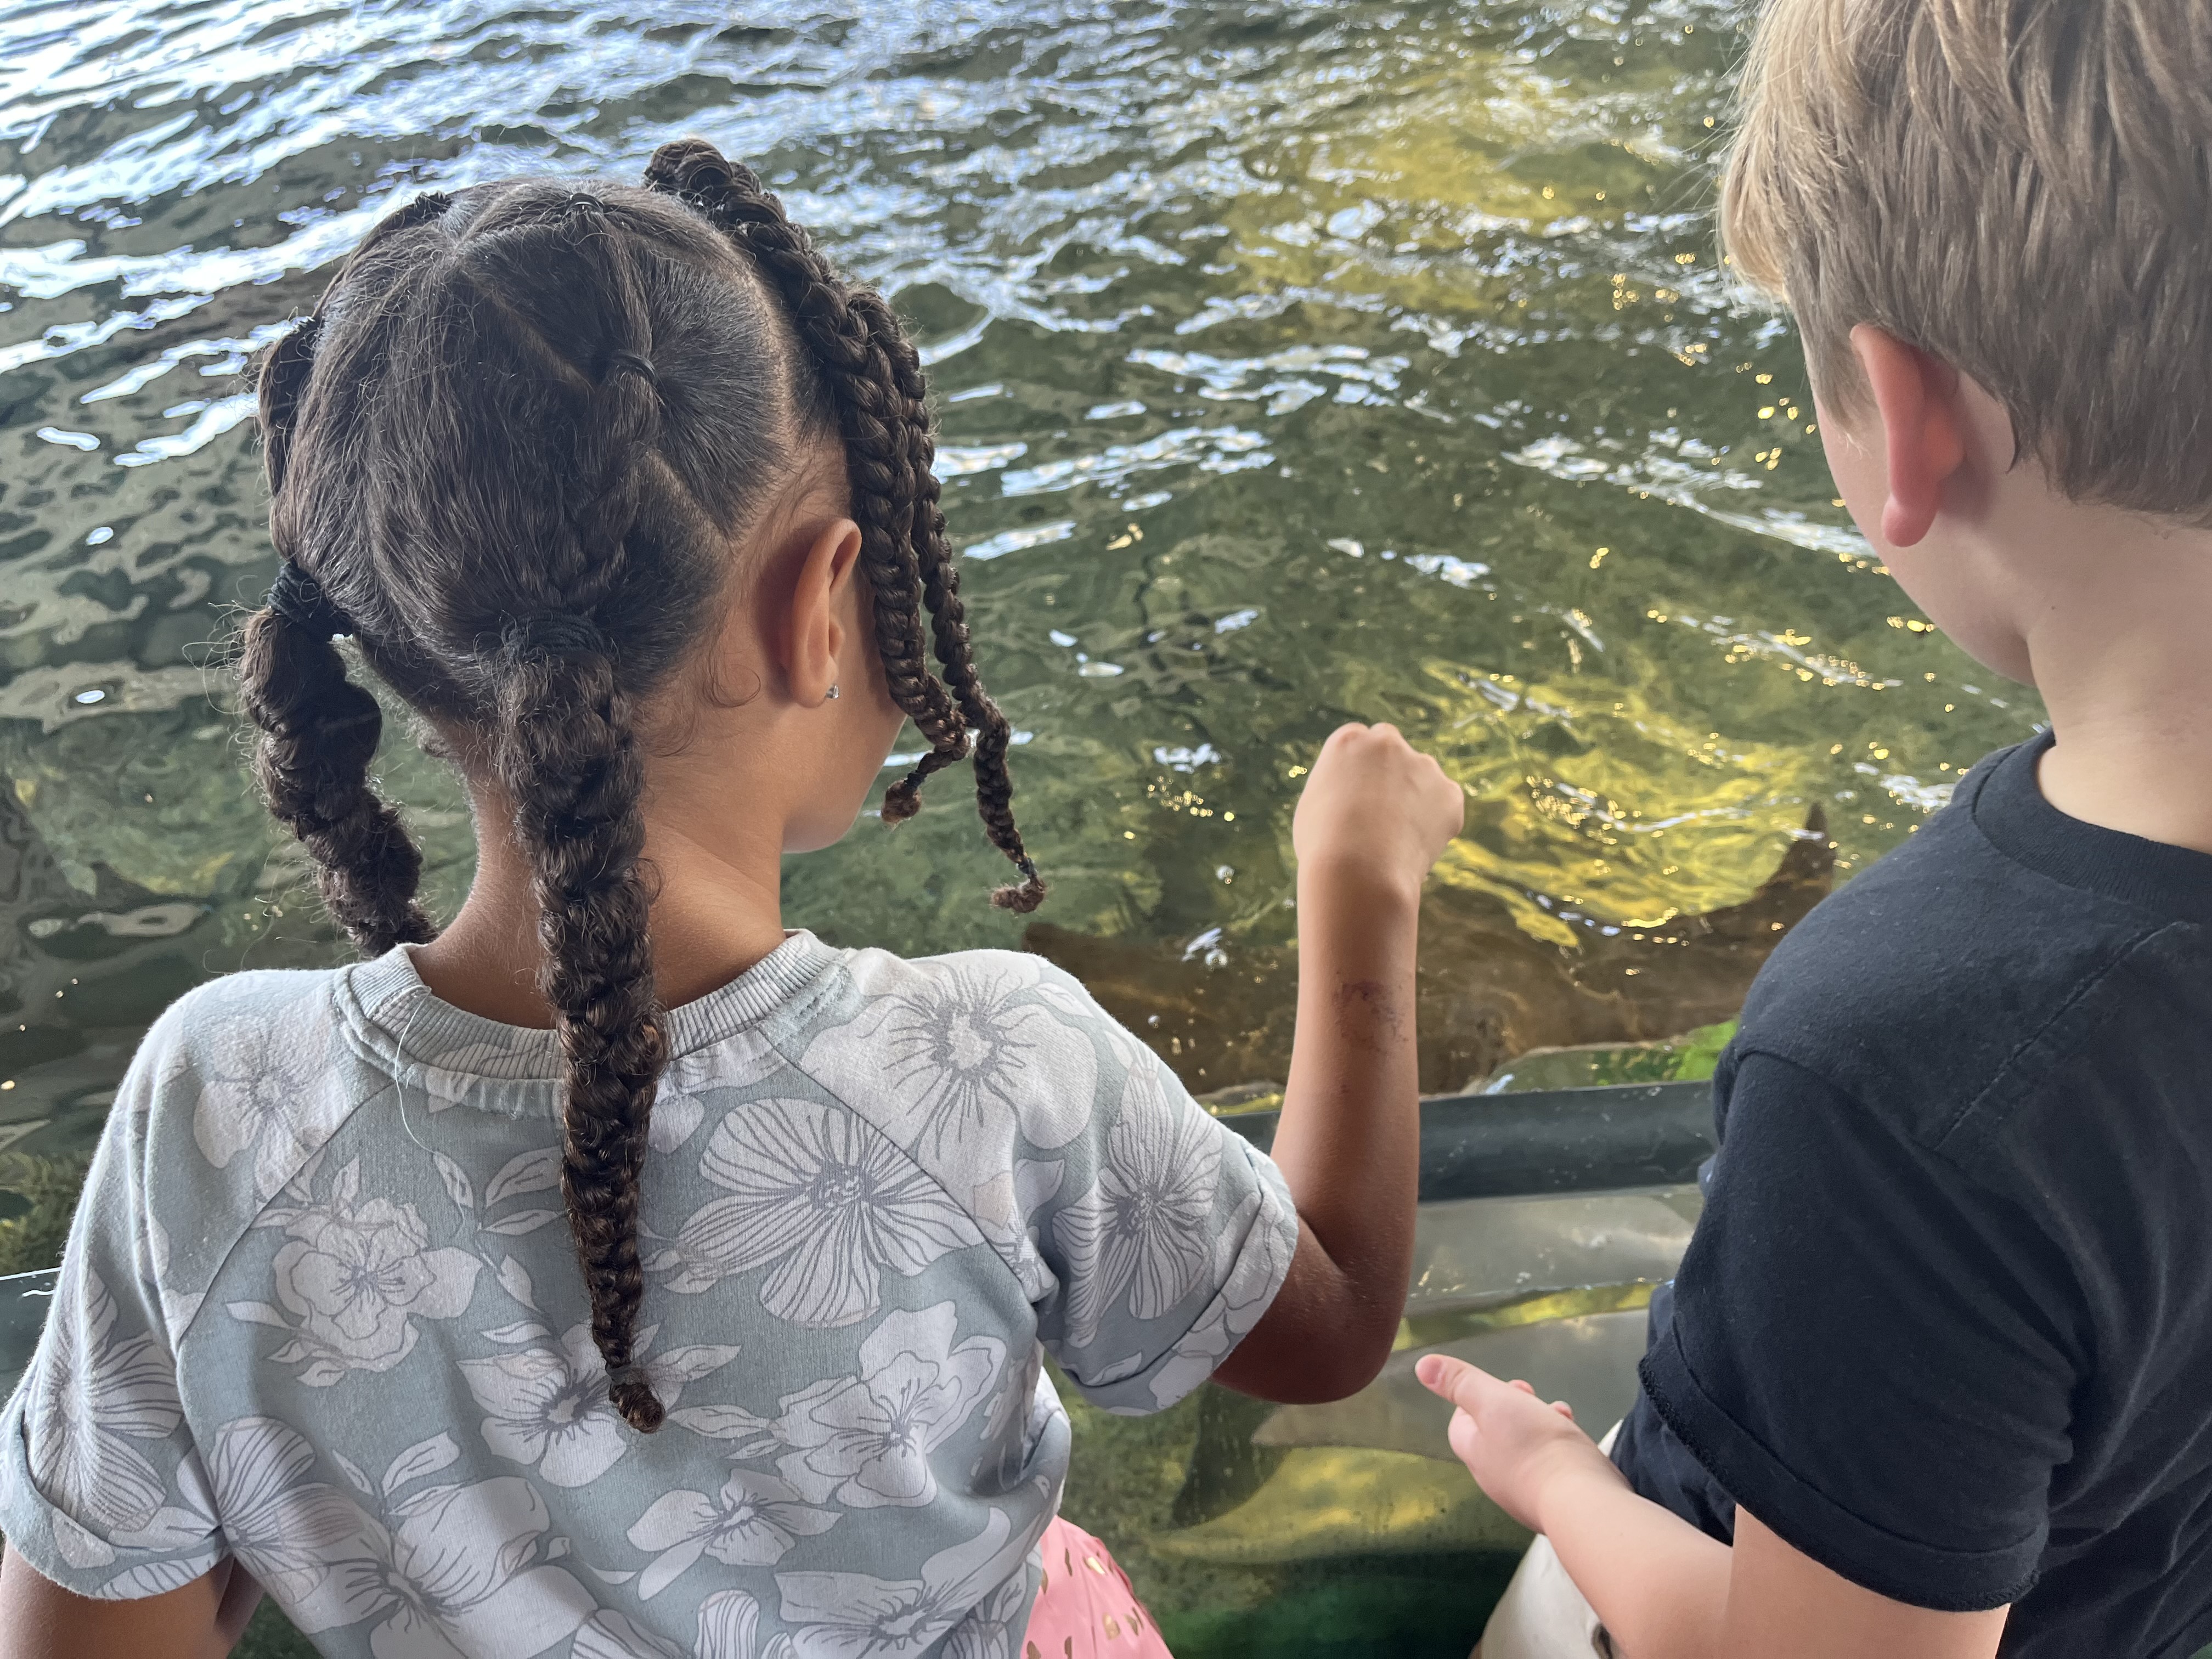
column 2021, row 188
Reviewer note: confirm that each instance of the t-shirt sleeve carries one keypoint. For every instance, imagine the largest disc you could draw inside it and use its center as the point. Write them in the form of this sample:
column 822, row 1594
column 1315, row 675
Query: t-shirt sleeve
column 1151, row 1237
column 1146, row 1236
column 1863, row 1352
column 1166, row 1242
column 100, row 1489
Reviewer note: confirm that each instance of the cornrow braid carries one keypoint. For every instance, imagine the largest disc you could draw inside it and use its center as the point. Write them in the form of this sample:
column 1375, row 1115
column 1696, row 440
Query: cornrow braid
column 569, row 758
column 856, row 342
column 510, row 455
column 319, row 730
column 568, row 755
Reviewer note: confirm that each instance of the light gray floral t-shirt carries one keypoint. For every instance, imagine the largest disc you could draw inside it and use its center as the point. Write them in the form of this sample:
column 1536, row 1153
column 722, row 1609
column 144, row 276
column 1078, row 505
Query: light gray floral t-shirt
column 321, row 1311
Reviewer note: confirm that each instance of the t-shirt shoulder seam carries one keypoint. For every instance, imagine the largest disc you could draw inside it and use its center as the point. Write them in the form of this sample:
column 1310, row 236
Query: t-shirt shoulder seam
column 2081, row 993
column 238, row 1240
column 1753, row 1043
column 1857, row 1101
column 927, row 1174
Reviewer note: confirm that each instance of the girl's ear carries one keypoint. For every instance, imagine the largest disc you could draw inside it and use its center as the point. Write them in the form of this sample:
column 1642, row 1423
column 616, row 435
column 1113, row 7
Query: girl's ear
column 818, row 626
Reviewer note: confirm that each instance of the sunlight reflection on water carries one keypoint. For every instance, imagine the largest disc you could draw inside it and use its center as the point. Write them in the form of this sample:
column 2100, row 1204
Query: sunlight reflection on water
column 1296, row 362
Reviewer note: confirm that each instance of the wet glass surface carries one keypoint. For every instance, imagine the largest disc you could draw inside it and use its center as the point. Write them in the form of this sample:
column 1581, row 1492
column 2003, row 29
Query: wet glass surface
column 1297, row 363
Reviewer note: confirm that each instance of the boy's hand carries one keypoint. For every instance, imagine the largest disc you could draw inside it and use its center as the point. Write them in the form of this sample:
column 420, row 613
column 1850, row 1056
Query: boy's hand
column 1517, row 1448
column 1376, row 807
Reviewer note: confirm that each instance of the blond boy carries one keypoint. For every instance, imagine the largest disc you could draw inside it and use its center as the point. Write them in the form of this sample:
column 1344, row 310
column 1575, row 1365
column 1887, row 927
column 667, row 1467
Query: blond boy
column 1934, row 1381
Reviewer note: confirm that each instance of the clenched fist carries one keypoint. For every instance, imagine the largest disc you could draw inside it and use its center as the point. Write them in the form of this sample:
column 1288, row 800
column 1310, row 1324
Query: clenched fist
column 1375, row 810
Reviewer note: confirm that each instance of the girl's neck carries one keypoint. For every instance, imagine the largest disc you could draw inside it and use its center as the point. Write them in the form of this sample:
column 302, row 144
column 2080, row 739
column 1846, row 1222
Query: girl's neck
column 719, row 910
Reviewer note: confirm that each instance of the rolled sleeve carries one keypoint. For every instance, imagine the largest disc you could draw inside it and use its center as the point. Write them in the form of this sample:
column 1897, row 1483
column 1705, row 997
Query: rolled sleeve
column 1859, row 1354
column 100, row 1488
column 1168, row 1253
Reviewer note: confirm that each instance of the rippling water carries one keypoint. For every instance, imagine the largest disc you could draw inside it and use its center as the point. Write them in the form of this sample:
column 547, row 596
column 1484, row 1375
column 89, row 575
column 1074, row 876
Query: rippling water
column 1298, row 362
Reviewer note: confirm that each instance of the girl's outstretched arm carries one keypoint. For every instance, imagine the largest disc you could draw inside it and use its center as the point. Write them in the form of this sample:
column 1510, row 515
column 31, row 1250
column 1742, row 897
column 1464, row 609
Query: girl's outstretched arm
column 203, row 1619
column 1374, row 816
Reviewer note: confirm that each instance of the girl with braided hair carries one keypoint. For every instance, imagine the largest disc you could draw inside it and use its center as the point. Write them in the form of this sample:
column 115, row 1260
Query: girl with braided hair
column 617, row 1272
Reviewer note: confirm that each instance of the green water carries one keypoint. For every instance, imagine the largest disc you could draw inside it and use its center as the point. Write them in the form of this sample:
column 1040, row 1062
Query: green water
column 1296, row 362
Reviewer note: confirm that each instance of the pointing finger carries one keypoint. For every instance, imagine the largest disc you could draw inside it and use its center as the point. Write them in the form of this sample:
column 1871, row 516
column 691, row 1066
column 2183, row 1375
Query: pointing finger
column 1468, row 1386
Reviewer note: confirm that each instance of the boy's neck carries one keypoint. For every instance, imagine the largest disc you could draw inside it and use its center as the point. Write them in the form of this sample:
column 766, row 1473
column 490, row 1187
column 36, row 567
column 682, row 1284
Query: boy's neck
column 2116, row 611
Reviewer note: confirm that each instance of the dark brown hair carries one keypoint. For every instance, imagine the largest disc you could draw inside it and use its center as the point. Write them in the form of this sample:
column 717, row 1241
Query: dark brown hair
column 510, row 455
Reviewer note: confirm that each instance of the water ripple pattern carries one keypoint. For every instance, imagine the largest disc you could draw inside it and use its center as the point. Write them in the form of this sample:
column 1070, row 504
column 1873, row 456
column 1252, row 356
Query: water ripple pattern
column 1296, row 362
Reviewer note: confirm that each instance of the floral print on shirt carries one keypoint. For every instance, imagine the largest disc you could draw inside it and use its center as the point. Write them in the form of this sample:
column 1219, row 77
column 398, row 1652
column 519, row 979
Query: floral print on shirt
column 320, row 1312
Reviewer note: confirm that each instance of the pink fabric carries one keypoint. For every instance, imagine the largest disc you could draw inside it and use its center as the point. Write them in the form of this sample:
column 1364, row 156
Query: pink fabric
column 1086, row 1608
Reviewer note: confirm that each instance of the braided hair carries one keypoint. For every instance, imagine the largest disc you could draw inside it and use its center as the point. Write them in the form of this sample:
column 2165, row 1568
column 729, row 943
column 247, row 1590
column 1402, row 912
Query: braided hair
column 507, row 455
column 876, row 380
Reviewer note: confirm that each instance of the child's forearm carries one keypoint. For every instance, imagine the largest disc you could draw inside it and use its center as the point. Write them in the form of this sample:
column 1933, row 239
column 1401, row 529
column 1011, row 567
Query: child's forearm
column 1659, row 1585
column 1349, row 1142
column 1374, row 817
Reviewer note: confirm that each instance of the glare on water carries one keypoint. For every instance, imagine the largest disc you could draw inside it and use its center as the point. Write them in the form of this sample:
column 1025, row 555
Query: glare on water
column 1296, row 362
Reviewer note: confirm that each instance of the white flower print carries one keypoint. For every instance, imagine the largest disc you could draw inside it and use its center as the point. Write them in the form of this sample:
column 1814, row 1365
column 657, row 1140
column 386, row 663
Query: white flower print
column 751, row 1522
column 264, row 1088
column 1018, row 1415
column 729, row 1628
column 820, row 1198
column 1007, row 1207
column 450, row 1076
column 611, row 1635
column 851, row 1615
column 866, row 1441
column 729, row 1623
column 549, row 1408
column 737, row 1062
column 286, row 1529
column 1145, row 1229
column 455, row 1572
column 355, row 1276
column 964, row 1053
column 884, row 1391
column 178, row 1305
column 96, row 1389
column 990, row 1632
column 1252, row 1256
column 675, row 1120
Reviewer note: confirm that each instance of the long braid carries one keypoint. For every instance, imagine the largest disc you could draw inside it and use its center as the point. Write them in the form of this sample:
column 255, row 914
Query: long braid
column 940, row 574
column 319, row 730
column 856, row 342
column 568, row 758
column 874, row 425
column 508, row 456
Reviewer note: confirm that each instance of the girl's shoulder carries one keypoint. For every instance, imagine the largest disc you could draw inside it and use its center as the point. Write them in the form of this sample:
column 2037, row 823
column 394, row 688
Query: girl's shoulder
column 258, row 1021
column 233, row 1091
column 1149, row 1235
column 1017, row 1020
column 973, row 1062
column 969, row 975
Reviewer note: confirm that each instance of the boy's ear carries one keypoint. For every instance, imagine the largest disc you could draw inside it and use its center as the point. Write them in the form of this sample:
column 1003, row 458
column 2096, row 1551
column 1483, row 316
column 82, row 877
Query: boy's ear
column 1923, row 428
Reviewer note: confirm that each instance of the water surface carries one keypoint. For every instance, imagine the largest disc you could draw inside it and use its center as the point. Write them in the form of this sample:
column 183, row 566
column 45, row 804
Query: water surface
column 1298, row 362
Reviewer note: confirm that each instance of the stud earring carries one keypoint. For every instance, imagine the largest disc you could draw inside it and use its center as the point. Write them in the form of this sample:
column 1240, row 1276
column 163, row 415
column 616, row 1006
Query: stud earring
column 832, row 695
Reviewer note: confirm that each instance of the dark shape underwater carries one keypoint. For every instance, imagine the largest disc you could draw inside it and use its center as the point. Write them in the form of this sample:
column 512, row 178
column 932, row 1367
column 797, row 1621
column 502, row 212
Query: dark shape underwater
column 1488, row 992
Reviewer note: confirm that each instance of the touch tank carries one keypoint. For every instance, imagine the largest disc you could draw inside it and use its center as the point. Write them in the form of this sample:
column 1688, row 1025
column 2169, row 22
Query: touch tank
column 1295, row 363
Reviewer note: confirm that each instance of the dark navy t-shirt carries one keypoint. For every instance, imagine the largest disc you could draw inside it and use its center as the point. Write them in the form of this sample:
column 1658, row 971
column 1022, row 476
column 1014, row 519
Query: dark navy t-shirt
column 1946, row 1324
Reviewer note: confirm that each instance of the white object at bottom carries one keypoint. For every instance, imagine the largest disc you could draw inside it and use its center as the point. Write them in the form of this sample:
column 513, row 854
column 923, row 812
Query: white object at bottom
column 1542, row 1615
